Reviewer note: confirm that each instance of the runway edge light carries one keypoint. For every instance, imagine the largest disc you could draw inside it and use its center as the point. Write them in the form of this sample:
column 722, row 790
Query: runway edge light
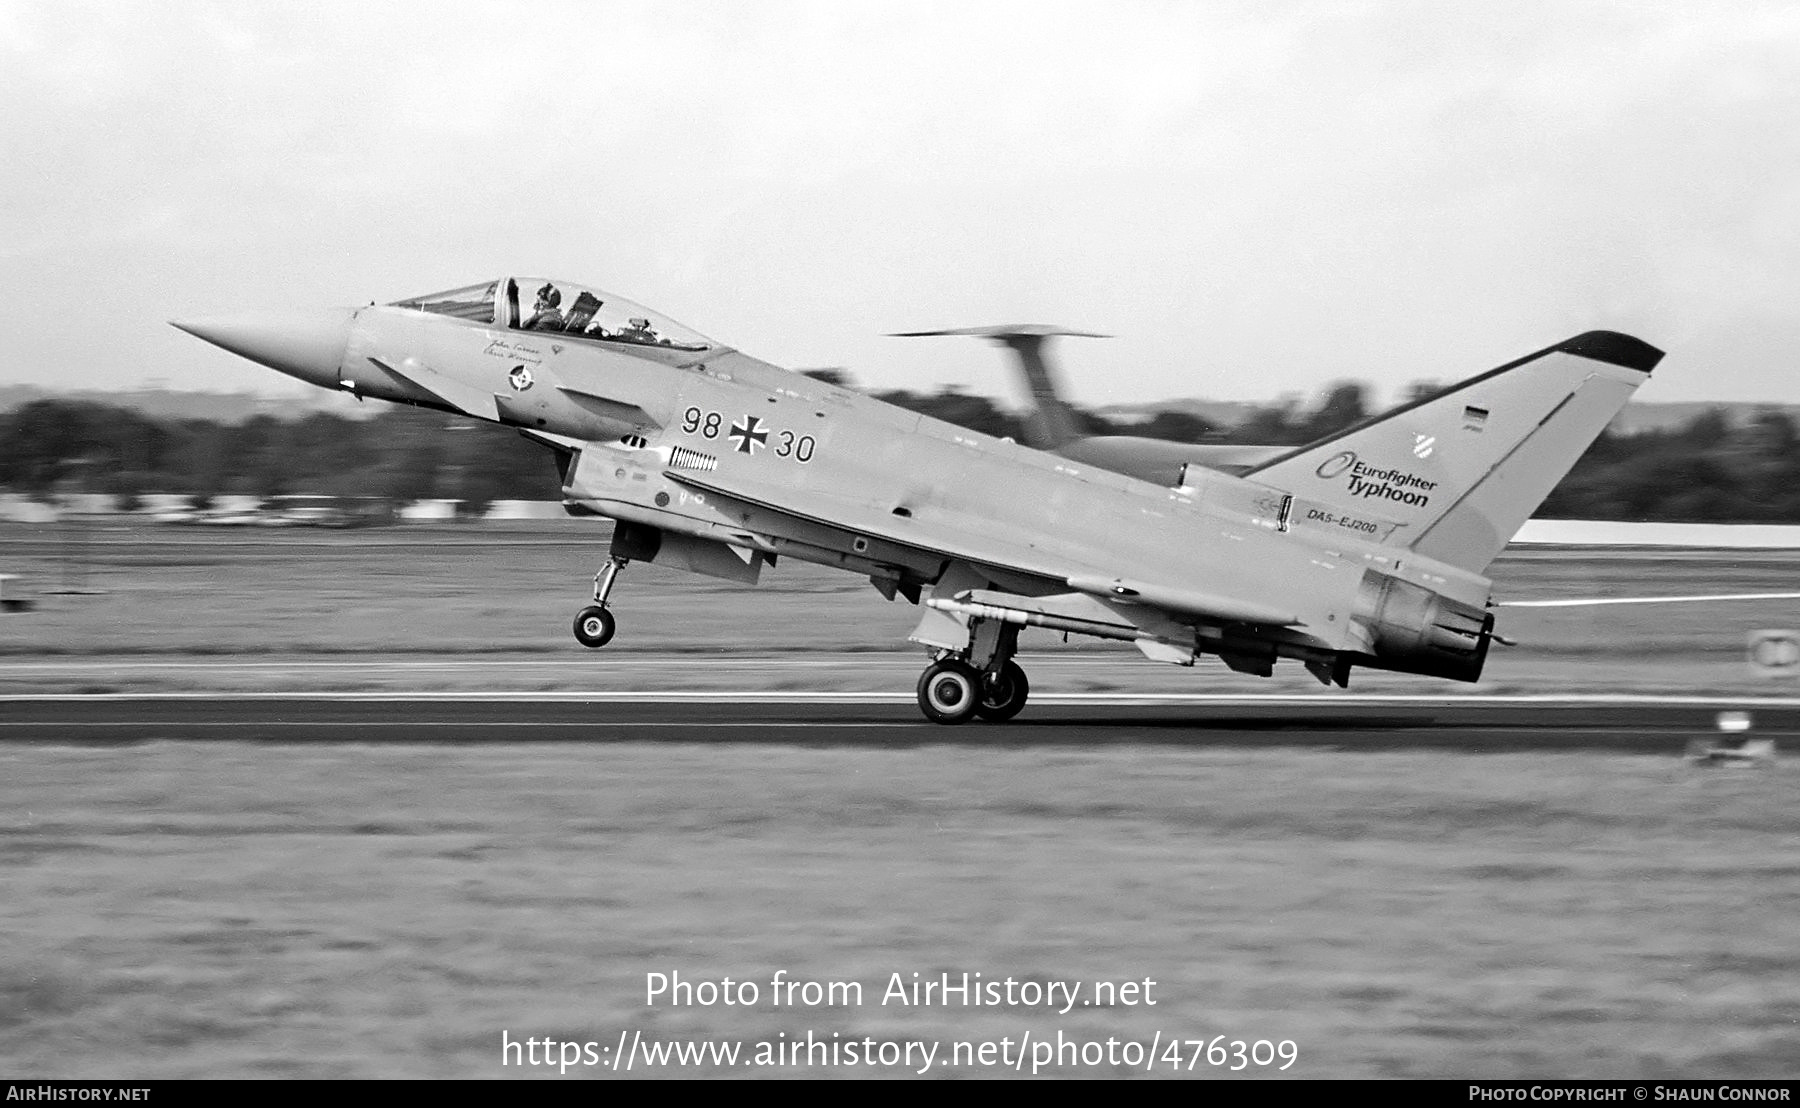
column 1775, row 653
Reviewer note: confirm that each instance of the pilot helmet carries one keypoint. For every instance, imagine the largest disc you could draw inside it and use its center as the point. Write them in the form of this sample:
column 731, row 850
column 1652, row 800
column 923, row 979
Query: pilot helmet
column 549, row 296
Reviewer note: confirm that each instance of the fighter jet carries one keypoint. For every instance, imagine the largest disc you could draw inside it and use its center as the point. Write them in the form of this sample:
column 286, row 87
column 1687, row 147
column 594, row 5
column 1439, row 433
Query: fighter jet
column 1365, row 549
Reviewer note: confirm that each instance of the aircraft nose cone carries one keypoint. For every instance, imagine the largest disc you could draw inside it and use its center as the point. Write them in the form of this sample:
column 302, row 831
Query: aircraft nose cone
column 304, row 344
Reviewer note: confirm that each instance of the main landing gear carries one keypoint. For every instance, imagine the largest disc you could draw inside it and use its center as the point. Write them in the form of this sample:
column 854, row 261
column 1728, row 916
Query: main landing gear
column 594, row 624
column 981, row 681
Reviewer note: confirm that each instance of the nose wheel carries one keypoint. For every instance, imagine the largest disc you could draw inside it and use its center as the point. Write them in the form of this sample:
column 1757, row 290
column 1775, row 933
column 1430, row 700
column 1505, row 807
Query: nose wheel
column 594, row 624
column 594, row 627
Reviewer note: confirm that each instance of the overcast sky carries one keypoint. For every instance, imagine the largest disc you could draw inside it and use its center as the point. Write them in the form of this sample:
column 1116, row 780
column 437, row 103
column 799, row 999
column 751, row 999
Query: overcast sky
column 1252, row 197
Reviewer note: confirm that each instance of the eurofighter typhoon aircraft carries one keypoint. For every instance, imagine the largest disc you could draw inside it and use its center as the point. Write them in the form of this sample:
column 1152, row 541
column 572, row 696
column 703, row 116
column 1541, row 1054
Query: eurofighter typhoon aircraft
column 1367, row 548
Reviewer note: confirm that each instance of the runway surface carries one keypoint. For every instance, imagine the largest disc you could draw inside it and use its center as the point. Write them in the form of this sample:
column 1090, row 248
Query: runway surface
column 1473, row 725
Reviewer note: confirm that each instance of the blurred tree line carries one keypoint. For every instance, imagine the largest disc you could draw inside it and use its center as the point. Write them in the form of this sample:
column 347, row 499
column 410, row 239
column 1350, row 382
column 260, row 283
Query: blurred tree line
column 399, row 453
column 1705, row 470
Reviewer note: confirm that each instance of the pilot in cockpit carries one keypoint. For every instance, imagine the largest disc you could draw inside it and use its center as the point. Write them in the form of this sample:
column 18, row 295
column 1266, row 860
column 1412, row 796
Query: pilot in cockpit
column 546, row 314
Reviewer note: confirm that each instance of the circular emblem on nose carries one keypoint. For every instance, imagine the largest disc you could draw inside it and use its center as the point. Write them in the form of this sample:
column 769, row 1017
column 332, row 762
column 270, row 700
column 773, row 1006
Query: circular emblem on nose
column 520, row 377
column 1336, row 464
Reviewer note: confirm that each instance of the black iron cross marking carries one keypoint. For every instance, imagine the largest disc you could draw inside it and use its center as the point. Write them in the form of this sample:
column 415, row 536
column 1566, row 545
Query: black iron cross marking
column 749, row 435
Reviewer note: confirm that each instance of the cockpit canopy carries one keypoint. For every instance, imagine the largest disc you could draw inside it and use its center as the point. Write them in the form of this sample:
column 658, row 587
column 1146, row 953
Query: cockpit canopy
column 558, row 307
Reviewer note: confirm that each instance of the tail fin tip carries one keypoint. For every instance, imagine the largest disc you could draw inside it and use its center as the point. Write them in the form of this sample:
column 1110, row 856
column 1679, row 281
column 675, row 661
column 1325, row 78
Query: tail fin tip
column 1613, row 348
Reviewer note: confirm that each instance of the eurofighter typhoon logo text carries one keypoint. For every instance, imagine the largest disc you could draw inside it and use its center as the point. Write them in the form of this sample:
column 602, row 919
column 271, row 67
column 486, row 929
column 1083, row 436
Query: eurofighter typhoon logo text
column 1371, row 483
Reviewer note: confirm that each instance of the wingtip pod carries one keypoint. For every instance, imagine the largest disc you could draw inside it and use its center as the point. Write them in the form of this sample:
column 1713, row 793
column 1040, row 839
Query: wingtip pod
column 1614, row 348
column 1191, row 601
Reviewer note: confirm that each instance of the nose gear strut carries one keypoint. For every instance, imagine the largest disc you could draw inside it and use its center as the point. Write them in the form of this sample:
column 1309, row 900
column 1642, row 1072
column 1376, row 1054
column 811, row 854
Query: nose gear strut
column 594, row 625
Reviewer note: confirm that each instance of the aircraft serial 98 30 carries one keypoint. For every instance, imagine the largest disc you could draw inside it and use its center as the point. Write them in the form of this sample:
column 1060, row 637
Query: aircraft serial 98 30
column 1365, row 549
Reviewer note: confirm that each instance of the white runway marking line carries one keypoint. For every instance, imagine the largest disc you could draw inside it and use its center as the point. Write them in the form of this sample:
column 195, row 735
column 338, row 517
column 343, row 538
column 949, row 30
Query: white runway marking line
column 1647, row 600
column 781, row 725
column 614, row 725
column 816, row 661
column 876, row 697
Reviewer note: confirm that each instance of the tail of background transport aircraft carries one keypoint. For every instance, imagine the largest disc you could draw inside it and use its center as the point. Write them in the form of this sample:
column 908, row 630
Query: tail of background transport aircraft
column 1052, row 423
column 1454, row 475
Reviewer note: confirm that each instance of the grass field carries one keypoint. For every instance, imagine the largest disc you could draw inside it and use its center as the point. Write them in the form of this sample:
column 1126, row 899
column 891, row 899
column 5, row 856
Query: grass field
column 221, row 909
column 179, row 910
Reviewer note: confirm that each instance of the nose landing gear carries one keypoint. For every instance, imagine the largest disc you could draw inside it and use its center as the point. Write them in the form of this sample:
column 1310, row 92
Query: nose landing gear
column 594, row 624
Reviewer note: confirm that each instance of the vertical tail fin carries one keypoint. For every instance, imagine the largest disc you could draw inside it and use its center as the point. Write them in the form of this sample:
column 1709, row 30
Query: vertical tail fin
column 1052, row 423
column 1455, row 474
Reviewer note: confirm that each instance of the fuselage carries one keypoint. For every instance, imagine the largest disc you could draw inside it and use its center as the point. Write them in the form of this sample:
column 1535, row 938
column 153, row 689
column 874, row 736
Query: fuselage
column 667, row 431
